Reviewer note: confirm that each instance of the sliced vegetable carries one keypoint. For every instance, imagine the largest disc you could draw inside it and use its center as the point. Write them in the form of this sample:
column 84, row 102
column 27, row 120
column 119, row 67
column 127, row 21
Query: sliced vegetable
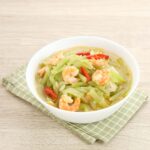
column 120, row 94
column 50, row 101
column 73, row 92
column 48, row 83
column 84, row 107
column 78, row 84
column 94, row 95
column 46, row 76
column 58, row 77
column 115, row 76
column 111, row 87
column 98, row 99
column 62, row 86
column 78, row 62
column 83, row 89
column 56, row 87
column 59, row 67
column 82, row 78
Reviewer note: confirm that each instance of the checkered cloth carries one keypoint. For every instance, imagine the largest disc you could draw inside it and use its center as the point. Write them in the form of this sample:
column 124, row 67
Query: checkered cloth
column 103, row 130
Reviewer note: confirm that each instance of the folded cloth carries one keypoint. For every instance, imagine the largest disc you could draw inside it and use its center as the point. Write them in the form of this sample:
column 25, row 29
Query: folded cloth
column 103, row 130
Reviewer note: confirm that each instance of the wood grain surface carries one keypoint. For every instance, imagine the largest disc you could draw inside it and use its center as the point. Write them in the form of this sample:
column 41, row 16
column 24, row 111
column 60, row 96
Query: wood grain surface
column 27, row 25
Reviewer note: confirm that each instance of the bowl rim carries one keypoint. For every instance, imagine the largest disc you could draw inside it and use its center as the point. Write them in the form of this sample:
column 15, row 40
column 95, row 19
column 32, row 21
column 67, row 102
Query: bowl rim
column 132, row 89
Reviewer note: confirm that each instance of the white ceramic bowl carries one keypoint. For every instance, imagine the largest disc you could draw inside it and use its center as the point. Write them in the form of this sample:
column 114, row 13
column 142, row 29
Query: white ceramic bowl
column 81, row 117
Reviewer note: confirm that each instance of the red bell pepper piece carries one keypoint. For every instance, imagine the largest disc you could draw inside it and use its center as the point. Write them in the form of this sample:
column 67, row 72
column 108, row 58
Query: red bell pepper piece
column 85, row 73
column 98, row 56
column 49, row 92
column 83, row 53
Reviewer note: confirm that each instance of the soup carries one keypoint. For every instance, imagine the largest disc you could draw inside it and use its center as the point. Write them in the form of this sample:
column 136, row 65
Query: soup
column 83, row 79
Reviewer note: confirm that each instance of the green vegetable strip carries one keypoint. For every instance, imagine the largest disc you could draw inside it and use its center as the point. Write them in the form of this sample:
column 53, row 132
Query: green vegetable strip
column 84, row 63
column 83, row 89
column 62, row 87
column 115, row 76
column 51, row 78
column 73, row 92
column 50, row 101
column 58, row 77
column 80, row 61
column 49, row 84
column 94, row 95
column 92, row 83
column 59, row 67
column 78, row 84
column 54, row 83
column 119, row 94
column 82, row 78
column 98, row 98
column 45, row 78
column 55, row 87
column 84, row 107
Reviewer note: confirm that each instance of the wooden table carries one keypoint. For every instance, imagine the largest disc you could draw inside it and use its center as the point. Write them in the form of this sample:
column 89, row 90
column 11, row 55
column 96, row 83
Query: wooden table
column 27, row 25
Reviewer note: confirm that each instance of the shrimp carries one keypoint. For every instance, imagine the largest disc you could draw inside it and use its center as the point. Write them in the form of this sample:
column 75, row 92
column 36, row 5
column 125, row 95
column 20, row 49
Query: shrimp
column 101, row 76
column 54, row 60
column 69, row 74
column 42, row 71
column 99, row 62
column 67, row 103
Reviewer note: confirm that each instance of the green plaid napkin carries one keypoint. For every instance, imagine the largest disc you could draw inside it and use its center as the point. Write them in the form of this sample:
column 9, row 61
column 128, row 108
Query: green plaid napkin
column 104, row 130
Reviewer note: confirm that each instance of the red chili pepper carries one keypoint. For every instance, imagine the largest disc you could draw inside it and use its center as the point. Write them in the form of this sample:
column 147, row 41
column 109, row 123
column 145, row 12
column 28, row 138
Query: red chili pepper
column 85, row 73
column 89, row 57
column 98, row 56
column 83, row 53
column 48, row 91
